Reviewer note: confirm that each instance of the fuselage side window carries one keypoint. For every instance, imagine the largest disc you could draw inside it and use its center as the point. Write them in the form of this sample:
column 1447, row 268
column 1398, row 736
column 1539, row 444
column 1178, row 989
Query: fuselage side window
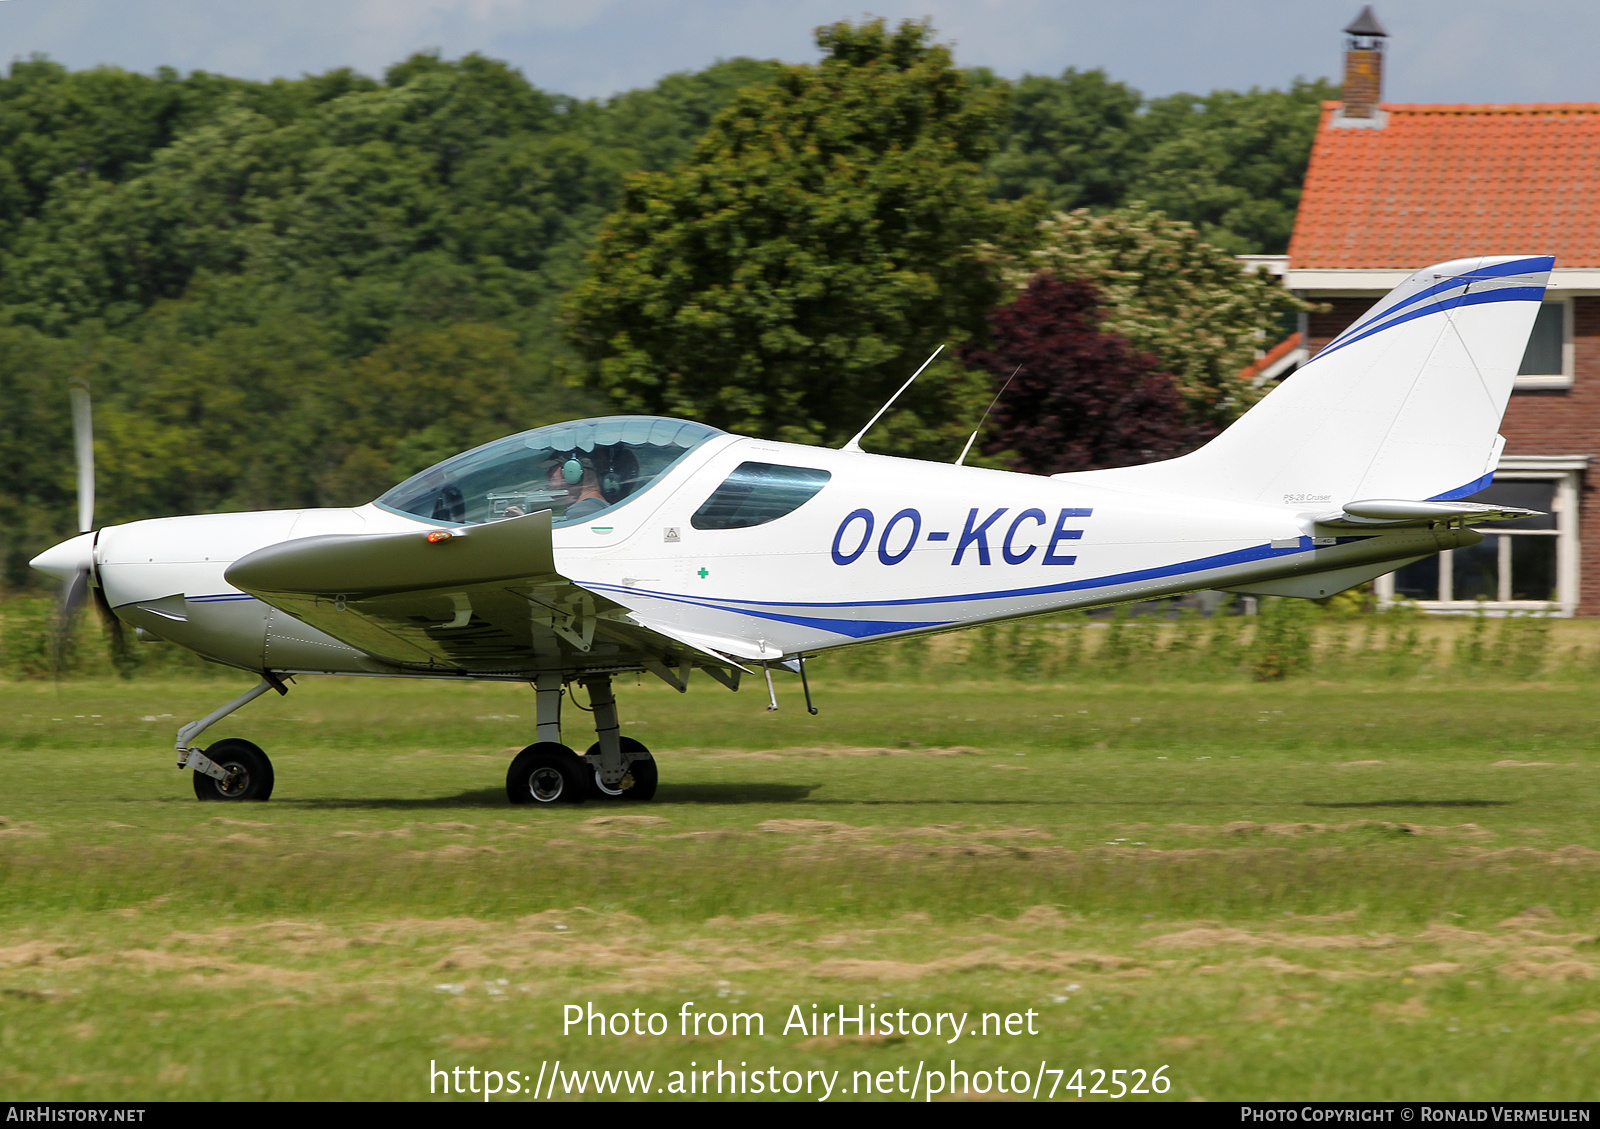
column 756, row 493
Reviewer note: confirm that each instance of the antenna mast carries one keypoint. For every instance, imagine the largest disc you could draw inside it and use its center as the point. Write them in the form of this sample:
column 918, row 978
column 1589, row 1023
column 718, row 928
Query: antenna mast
column 963, row 456
column 855, row 444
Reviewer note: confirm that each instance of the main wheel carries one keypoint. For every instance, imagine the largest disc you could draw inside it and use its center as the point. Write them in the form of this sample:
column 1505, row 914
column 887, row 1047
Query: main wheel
column 642, row 769
column 252, row 778
column 546, row 773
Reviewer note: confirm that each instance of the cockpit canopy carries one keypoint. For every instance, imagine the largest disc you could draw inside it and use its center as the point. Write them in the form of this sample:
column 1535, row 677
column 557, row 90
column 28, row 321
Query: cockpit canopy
column 577, row 470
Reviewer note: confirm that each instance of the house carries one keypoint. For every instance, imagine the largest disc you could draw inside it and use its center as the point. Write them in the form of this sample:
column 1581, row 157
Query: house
column 1391, row 188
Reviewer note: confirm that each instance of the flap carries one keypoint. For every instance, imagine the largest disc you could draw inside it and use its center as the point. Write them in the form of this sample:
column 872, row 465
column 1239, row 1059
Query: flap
column 718, row 647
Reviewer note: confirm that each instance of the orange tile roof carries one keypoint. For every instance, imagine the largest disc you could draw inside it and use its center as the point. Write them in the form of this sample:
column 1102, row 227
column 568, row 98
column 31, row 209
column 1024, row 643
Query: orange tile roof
column 1271, row 357
column 1443, row 182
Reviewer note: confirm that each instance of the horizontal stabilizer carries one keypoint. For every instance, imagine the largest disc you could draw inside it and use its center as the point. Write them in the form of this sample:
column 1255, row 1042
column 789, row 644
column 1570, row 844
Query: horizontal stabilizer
column 1392, row 513
column 370, row 564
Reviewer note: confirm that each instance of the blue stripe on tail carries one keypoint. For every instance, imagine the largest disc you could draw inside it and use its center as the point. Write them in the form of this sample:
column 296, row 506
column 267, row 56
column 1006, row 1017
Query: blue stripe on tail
column 1466, row 491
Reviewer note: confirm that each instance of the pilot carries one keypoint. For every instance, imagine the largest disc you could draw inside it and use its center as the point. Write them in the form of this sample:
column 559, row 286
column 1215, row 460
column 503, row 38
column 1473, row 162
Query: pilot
column 575, row 476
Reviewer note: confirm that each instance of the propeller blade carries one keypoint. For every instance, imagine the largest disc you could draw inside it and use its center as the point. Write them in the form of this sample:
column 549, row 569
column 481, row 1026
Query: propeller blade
column 73, row 594
column 120, row 656
column 83, row 449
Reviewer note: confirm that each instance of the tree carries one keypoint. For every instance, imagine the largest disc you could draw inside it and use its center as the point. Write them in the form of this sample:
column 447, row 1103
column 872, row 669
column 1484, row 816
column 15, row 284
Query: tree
column 1077, row 140
column 294, row 292
column 658, row 126
column 37, row 485
column 1167, row 291
column 62, row 126
column 809, row 254
column 1081, row 398
column 423, row 396
column 1232, row 164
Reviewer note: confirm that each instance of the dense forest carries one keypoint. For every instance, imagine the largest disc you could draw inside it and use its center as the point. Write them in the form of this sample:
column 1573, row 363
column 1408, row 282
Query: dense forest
column 297, row 292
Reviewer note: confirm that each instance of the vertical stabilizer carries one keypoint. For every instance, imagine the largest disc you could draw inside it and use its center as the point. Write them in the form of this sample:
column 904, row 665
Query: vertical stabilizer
column 1406, row 403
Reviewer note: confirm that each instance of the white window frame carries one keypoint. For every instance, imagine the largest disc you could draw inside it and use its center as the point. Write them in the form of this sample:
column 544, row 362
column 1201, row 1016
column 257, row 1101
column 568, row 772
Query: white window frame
column 1566, row 472
column 1563, row 379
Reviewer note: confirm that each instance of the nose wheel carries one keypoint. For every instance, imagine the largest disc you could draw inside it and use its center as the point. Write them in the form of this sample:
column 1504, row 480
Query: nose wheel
column 247, row 772
column 638, row 784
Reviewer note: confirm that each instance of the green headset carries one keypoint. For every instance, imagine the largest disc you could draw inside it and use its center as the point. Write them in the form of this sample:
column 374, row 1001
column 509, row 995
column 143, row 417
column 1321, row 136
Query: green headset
column 572, row 473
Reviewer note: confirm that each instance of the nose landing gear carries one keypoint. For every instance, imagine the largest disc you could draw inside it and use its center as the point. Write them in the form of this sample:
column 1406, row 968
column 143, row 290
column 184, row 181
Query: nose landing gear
column 231, row 769
column 246, row 771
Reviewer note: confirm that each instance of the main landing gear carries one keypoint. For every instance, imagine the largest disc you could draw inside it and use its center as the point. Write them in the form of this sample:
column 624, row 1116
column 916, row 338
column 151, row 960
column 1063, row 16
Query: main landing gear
column 548, row 772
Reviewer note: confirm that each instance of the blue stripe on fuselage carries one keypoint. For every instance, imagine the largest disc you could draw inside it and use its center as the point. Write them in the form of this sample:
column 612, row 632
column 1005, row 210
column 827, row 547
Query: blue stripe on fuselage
column 756, row 607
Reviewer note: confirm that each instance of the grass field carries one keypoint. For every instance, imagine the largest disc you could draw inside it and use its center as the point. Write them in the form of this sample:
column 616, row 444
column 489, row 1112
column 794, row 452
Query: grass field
column 1375, row 888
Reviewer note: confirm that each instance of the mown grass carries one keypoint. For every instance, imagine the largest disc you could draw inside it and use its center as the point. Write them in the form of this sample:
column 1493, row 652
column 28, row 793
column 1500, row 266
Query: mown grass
column 1314, row 887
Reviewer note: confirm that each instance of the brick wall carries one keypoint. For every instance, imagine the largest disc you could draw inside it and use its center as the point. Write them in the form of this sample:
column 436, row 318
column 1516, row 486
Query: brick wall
column 1324, row 327
column 1556, row 421
column 1566, row 421
column 1363, row 82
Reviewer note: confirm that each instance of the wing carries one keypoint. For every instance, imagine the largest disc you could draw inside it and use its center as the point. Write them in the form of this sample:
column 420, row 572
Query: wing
column 486, row 600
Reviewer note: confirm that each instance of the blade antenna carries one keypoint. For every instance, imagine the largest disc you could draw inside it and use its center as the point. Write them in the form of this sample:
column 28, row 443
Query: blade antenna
column 855, row 444
column 963, row 457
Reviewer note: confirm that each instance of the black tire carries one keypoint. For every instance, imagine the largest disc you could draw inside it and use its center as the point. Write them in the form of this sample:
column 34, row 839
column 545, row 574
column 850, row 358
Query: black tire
column 643, row 771
column 546, row 773
column 254, row 781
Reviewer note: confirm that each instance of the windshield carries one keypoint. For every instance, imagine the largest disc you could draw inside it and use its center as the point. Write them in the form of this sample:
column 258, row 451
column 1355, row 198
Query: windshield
column 577, row 470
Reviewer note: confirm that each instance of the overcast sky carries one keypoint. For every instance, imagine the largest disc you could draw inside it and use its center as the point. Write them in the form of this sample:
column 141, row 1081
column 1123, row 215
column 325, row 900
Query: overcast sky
column 1440, row 50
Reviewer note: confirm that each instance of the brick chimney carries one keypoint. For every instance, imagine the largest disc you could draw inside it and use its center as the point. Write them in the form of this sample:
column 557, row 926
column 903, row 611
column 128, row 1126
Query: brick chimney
column 1363, row 67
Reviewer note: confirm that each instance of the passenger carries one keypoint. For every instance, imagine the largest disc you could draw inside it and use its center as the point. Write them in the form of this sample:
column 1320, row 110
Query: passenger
column 576, row 478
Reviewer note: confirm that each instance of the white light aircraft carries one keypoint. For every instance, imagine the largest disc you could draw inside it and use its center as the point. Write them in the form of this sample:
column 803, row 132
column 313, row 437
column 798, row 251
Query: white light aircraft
column 576, row 552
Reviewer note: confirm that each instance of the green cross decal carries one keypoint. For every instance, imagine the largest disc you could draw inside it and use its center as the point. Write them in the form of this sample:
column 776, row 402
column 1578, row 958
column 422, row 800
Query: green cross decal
column 702, row 574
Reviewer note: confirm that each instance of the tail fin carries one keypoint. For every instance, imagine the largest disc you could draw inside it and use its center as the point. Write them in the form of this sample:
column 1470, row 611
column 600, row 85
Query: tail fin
column 1406, row 403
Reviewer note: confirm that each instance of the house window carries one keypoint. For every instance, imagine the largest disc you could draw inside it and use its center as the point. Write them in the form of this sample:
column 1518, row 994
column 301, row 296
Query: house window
column 1547, row 361
column 1524, row 565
